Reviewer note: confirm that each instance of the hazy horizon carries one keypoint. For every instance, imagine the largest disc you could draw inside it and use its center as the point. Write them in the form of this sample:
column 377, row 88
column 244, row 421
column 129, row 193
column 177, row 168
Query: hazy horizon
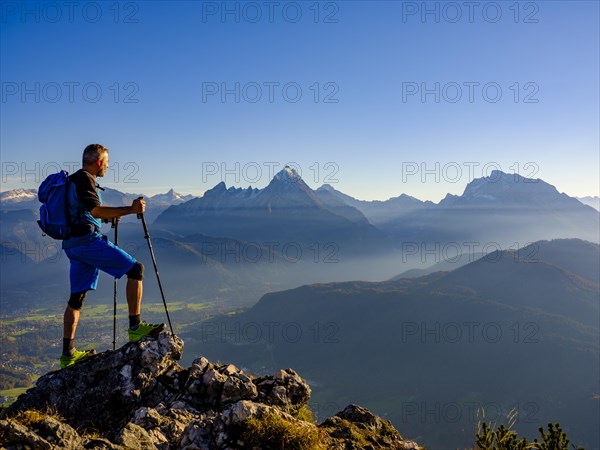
column 128, row 188
column 374, row 95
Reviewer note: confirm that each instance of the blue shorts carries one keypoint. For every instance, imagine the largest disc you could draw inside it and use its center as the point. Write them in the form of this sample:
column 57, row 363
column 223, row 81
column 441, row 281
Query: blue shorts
column 89, row 259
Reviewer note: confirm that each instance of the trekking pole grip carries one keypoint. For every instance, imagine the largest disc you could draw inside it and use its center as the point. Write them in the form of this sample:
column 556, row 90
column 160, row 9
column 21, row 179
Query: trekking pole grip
column 140, row 215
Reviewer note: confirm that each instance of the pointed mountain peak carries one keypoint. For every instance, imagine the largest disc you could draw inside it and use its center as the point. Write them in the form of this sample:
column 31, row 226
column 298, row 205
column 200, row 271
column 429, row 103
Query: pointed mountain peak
column 170, row 195
column 288, row 178
column 287, row 174
column 326, row 187
column 218, row 189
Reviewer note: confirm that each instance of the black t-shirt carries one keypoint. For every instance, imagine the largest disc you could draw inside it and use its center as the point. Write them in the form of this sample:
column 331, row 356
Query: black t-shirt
column 85, row 187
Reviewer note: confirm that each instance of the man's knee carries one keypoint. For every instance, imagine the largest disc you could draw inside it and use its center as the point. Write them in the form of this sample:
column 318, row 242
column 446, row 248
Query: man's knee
column 76, row 300
column 136, row 272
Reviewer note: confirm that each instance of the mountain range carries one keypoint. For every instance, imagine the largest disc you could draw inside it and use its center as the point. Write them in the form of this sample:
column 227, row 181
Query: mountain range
column 435, row 337
column 500, row 208
column 594, row 202
column 286, row 211
column 511, row 330
column 288, row 234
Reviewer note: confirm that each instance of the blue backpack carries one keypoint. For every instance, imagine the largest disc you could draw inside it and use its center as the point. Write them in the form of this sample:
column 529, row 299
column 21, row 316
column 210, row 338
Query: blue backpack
column 54, row 213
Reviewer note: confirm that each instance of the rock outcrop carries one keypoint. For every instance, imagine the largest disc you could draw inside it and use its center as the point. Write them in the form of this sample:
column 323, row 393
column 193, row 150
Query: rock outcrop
column 139, row 397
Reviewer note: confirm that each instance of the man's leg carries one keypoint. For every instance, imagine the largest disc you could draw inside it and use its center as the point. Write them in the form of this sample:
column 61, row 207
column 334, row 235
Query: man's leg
column 71, row 319
column 134, row 291
column 104, row 255
column 134, row 296
column 71, row 356
column 70, row 325
column 83, row 277
column 137, row 328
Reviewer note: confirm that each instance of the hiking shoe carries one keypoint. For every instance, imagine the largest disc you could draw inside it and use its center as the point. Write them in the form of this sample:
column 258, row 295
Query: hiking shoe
column 145, row 329
column 77, row 357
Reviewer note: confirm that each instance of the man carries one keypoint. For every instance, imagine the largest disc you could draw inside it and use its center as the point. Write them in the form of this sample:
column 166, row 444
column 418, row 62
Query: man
column 89, row 252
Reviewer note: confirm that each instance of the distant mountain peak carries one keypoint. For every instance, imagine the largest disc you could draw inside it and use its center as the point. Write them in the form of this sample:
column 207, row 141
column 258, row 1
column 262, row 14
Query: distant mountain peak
column 326, row 187
column 18, row 195
column 218, row 189
column 288, row 180
column 170, row 198
column 501, row 185
column 288, row 174
column 593, row 201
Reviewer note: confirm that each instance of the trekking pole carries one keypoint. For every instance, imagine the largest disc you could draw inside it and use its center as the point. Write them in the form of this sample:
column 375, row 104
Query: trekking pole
column 147, row 236
column 115, row 224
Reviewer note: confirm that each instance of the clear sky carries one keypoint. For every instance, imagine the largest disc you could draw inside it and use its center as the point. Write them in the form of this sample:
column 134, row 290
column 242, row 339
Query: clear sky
column 376, row 98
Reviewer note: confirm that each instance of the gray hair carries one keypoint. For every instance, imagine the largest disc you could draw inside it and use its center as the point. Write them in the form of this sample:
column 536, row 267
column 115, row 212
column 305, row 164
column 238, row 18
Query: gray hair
column 93, row 153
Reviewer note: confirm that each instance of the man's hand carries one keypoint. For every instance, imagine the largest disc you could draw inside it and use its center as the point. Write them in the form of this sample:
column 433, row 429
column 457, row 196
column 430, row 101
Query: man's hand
column 138, row 206
column 109, row 213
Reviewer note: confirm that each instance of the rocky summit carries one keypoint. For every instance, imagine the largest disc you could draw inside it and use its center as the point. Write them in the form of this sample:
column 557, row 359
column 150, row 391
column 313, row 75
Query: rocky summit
column 139, row 397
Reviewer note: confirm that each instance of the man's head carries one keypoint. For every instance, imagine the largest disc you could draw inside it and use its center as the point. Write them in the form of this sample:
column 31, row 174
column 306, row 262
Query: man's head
column 95, row 159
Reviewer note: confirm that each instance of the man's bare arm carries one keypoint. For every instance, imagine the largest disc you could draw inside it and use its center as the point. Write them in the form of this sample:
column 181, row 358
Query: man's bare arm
column 109, row 212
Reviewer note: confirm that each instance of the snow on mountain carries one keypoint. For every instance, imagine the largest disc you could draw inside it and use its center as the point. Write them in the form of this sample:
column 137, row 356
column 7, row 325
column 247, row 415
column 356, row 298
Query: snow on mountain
column 510, row 190
column 288, row 174
column 286, row 210
column 286, row 188
column 18, row 195
column 171, row 198
column 109, row 195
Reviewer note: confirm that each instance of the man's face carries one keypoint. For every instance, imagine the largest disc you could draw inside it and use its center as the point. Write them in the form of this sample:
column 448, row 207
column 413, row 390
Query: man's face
column 102, row 165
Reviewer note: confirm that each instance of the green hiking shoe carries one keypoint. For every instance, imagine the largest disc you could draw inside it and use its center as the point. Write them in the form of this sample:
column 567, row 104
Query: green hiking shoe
column 77, row 357
column 145, row 329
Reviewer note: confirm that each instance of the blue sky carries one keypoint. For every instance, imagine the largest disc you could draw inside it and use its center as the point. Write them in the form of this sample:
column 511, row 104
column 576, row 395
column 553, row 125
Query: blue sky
column 145, row 79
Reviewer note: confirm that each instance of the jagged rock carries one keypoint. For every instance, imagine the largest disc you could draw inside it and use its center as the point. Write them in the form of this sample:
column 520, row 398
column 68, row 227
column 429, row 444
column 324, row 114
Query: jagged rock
column 102, row 393
column 285, row 389
column 60, row 435
column 135, row 437
column 164, row 424
column 211, row 385
column 138, row 397
column 238, row 387
column 13, row 435
column 357, row 427
column 100, row 444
